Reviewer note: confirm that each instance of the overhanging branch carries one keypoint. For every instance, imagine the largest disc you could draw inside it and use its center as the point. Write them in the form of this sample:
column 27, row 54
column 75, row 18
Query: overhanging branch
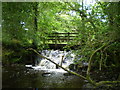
column 57, row 64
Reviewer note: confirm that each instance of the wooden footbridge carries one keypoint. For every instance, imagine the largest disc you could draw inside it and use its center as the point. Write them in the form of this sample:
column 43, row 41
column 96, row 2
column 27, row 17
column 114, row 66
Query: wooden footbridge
column 59, row 40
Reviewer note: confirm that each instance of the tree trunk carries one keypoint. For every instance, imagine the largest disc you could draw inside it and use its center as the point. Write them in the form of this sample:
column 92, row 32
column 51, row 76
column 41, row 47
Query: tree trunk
column 35, row 8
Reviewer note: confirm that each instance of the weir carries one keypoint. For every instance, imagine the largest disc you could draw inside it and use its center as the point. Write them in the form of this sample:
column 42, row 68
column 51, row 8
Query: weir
column 63, row 58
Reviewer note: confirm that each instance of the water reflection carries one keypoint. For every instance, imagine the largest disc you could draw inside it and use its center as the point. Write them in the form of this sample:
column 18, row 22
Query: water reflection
column 44, row 74
column 20, row 77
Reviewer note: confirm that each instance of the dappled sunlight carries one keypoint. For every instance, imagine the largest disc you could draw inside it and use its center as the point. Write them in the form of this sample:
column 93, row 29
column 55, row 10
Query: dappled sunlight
column 61, row 44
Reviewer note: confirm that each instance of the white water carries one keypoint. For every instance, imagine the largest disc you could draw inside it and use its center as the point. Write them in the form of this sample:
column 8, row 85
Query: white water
column 57, row 57
column 64, row 57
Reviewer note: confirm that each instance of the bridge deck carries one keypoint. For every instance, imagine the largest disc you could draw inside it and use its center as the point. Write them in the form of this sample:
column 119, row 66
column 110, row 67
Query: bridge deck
column 60, row 40
column 60, row 46
column 56, row 46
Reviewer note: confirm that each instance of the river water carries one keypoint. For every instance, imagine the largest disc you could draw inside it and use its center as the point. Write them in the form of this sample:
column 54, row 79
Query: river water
column 17, row 76
column 47, row 75
column 44, row 74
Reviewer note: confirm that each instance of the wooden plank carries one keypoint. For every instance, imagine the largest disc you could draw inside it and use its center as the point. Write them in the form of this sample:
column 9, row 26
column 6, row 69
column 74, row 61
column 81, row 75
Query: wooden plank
column 62, row 36
column 60, row 39
column 62, row 33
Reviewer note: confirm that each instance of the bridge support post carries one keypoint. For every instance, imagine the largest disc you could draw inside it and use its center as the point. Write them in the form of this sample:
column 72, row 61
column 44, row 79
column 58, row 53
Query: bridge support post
column 55, row 41
column 68, row 37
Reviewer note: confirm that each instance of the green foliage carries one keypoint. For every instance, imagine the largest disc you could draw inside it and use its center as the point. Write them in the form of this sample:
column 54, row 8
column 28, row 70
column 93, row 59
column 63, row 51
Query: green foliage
column 14, row 15
column 96, row 25
column 97, row 29
column 27, row 25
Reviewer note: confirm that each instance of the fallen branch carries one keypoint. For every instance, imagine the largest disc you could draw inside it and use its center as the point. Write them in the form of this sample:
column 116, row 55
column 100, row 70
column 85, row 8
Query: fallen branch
column 58, row 64
column 106, row 82
column 96, row 84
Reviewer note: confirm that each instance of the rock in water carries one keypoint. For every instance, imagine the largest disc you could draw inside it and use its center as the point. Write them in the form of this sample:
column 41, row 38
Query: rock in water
column 73, row 67
column 46, row 74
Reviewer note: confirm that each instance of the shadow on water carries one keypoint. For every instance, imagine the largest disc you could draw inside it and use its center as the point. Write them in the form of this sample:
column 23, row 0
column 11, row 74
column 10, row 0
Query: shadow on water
column 18, row 76
column 45, row 74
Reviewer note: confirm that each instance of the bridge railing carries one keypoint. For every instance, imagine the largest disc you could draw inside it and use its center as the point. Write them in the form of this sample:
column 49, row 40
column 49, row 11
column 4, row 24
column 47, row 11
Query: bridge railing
column 61, row 37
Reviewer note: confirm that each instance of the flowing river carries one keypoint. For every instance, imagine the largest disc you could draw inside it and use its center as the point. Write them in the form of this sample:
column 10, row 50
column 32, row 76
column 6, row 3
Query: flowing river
column 44, row 74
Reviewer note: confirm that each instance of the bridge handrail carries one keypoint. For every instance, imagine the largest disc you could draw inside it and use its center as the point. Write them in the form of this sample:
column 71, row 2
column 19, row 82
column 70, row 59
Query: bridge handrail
column 64, row 33
column 54, row 37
